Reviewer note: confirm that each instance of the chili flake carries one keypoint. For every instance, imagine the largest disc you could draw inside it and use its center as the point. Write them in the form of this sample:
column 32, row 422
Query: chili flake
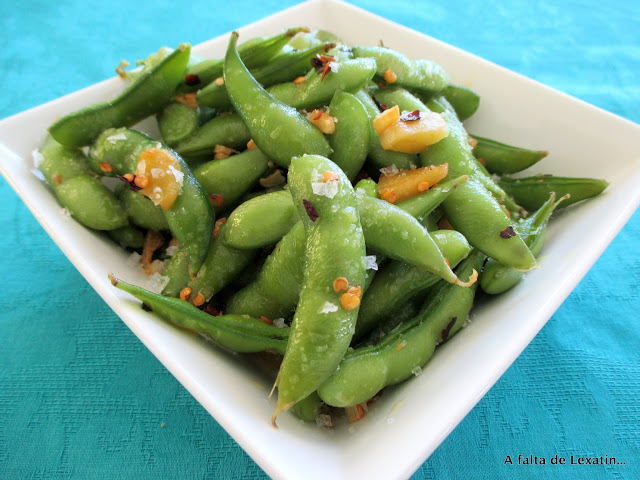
column 410, row 116
column 508, row 232
column 311, row 211
column 192, row 79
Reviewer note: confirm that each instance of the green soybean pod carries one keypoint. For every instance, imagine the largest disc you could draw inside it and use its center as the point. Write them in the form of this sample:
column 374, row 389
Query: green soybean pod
column 396, row 282
column 228, row 130
column 368, row 187
column 277, row 129
column 423, row 75
column 532, row 192
column 261, row 221
column 176, row 122
column 177, row 271
column 497, row 278
column 220, row 266
column 232, row 177
column 286, row 67
column 378, row 156
column 141, row 211
column 255, row 52
column 191, row 217
column 308, row 408
column 463, row 100
column 318, row 89
column 323, row 323
column 365, row 371
column 77, row 189
column 275, row 292
column 127, row 237
column 236, row 332
column 471, row 208
column 502, row 159
column 350, row 141
column 147, row 95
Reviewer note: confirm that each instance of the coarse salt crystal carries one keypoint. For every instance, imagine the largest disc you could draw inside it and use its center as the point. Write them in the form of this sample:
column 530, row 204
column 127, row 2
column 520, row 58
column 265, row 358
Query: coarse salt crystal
column 329, row 189
column 157, row 172
column 334, row 66
column 416, row 371
column 361, row 191
column 65, row 212
column 134, row 258
column 37, row 158
column 172, row 250
column 370, row 262
column 157, row 282
column 329, row 307
column 37, row 173
column 390, row 170
column 178, row 174
column 324, row 420
column 279, row 322
column 116, row 137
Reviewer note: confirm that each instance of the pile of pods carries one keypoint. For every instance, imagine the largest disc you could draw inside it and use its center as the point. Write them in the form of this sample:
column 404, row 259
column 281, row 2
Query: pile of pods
column 356, row 217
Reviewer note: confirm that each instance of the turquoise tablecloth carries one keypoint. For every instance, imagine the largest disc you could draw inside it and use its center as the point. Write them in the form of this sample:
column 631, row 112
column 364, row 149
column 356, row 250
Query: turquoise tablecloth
column 80, row 396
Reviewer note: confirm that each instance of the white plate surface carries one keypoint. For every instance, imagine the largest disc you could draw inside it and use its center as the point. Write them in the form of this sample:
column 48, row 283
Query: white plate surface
column 409, row 421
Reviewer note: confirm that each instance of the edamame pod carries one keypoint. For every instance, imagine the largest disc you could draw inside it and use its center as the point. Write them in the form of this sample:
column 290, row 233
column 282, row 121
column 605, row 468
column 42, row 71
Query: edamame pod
column 230, row 178
column 177, row 271
column 140, row 210
column 147, row 95
column 277, row 129
column 501, row 158
column 464, row 101
column 531, row 192
column 78, row 189
column 189, row 214
column 283, row 68
column 396, row 282
column 350, row 141
column 471, row 209
column 177, row 122
column 318, row 89
column 255, row 52
column 127, row 237
column 423, row 75
column 220, row 266
column 228, row 130
column 261, row 221
column 236, row 332
column 325, row 316
column 495, row 277
column 365, row 371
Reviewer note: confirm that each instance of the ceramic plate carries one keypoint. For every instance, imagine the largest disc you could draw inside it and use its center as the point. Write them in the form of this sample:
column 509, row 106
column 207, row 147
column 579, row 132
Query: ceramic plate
column 409, row 421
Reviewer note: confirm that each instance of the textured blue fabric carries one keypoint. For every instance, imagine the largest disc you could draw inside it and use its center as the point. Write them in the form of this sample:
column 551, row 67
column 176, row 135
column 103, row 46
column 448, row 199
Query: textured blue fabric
column 80, row 396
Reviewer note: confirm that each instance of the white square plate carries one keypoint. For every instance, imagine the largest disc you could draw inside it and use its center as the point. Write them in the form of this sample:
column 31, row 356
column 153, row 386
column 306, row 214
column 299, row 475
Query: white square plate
column 409, row 421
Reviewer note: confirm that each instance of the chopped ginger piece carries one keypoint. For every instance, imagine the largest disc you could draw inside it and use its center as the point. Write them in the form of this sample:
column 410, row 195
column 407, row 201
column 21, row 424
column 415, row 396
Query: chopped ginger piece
column 321, row 119
column 414, row 136
column 385, row 119
column 160, row 173
column 409, row 183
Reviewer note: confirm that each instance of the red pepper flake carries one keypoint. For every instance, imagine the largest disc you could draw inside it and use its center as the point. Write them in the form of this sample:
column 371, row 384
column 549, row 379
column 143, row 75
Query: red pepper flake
column 381, row 106
column 446, row 330
column 57, row 178
column 217, row 200
column 266, row 320
column 311, row 211
column 316, row 62
column 211, row 310
column 105, row 167
column 508, row 232
column 325, row 70
column 410, row 116
column 192, row 79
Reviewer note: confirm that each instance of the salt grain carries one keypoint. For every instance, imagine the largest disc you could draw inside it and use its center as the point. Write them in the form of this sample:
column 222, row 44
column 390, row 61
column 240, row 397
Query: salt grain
column 116, row 137
column 279, row 322
column 38, row 158
column 157, row 282
column 172, row 250
column 329, row 307
column 329, row 189
column 416, row 371
column 178, row 174
column 370, row 262
column 390, row 170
